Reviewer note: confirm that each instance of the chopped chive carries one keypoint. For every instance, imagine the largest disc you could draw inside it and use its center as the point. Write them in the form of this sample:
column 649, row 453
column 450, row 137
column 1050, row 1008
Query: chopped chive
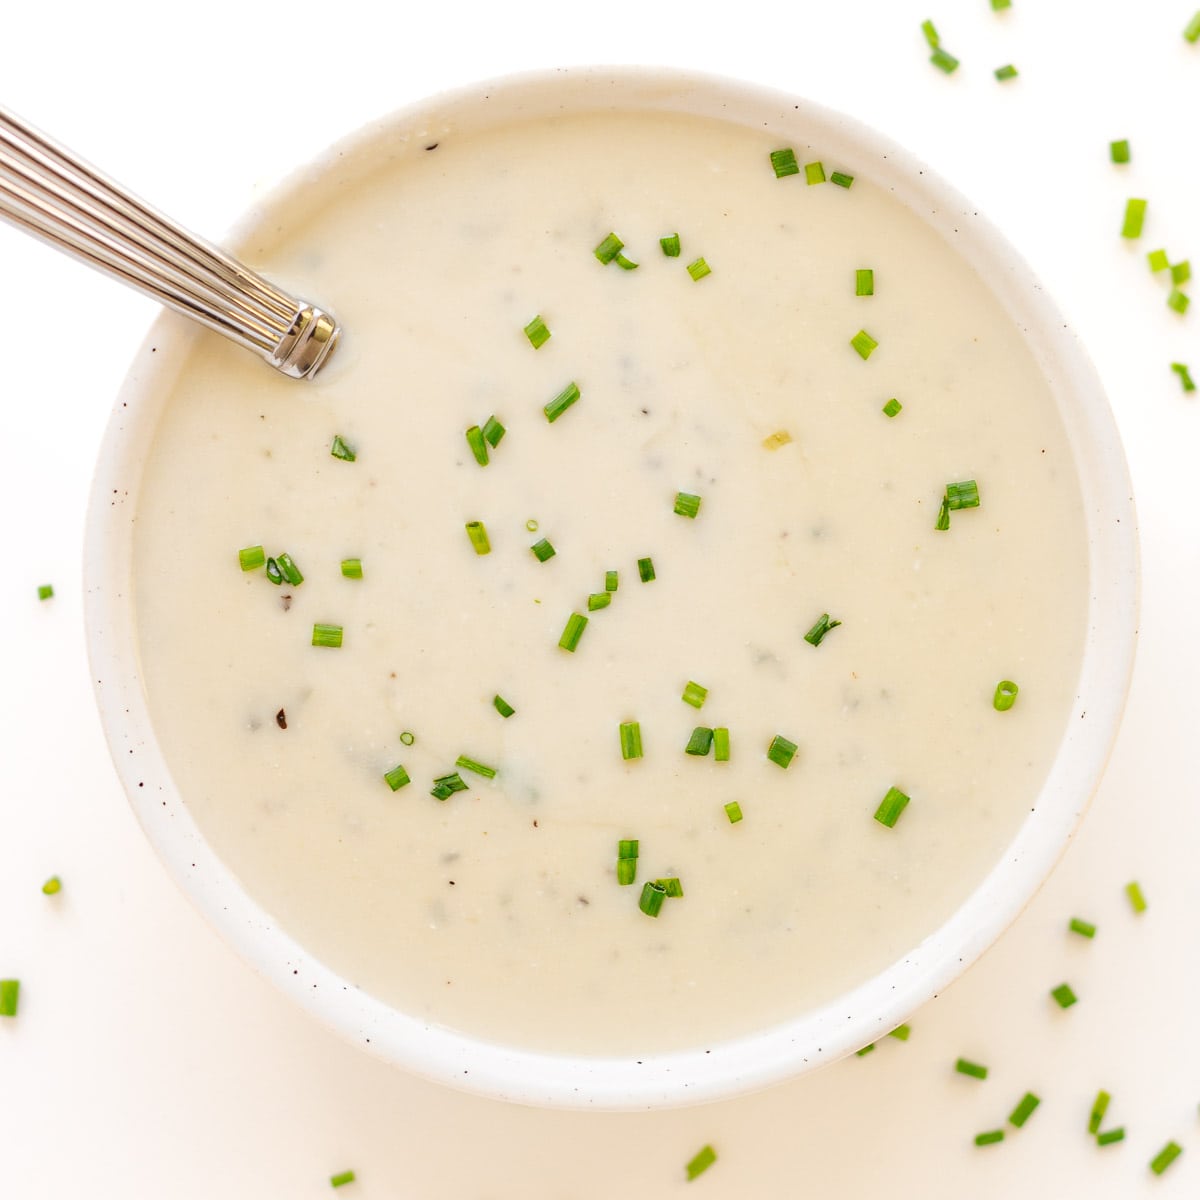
column 626, row 264
column 892, row 407
column 609, row 248
column 407, row 738
column 576, row 624
column 52, row 886
column 780, row 437
column 352, row 568
column 559, row 405
column 1064, row 997
column 531, row 525
column 670, row 245
column 784, row 163
column 10, row 994
column 646, row 570
column 721, row 743
column 651, row 899
column 901, row 1032
column 1178, row 301
column 1158, row 260
column 274, row 574
column 537, row 333
column 841, row 179
column 672, row 887
column 631, row 739
column 1181, row 272
column 342, row 449
column 701, row 1161
column 962, row 495
column 396, row 778
column 493, row 431
column 598, row 600
column 444, row 786
column 289, row 570
column 342, row 1178
column 1138, row 901
column 1083, row 928
column 943, row 521
column 478, row 534
column 687, row 505
column 694, row 694
column 251, row 558
column 1099, row 1108
column 931, row 34
column 1191, row 31
column 1005, row 695
column 542, row 550
column 864, row 282
column 944, row 61
column 781, row 751
column 1111, row 1136
column 627, row 848
column 627, row 856
column 1119, row 151
column 814, row 172
column 327, row 635
column 1135, row 215
column 700, row 743
column 470, row 764
column 1024, row 1110
column 1000, row 5
column 990, row 1138
column 1006, row 72
column 502, row 706
column 864, row 1050
column 46, row 590
column 821, row 627
column 891, row 806
column 1165, row 1157
column 1185, row 378
column 864, row 343
column 964, row 1066
column 733, row 810
column 611, row 580
column 698, row 269
column 478, row 444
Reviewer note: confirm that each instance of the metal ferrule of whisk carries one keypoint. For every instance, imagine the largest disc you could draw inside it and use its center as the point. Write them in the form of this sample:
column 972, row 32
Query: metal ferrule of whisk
column 49, row 192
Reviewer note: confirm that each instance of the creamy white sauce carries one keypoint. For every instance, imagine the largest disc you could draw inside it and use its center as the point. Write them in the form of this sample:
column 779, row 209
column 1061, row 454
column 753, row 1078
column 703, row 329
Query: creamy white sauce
column 497, row 911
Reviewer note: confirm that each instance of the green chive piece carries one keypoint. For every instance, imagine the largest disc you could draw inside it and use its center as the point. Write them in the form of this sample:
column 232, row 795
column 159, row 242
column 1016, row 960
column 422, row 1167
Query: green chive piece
column 576, row 624
column 733, row 810
column 46, row 590
column 822, row 626
column 478, row 444
column 493, row 431
column 502, row 706
column 274, row 574
column 1006, row 72
column 537, row 333
column 1138, row 901
column 407, row 738
column 943, row 521
column 627, row 856
column 701, row 1161
column 1063, row 995
column 1001, row 5
column 892, row 407
column 352, row 568
column 646, row 570
column 611, row 579
column 990, row 1138
column 1181, row 272
column 470, row 764
column 698, row 269
column 864, row 282
column 687, row 505
column 444, row 786
column 559, row 405
column 781, row 751
column 626, row 264
column 327, row 635
column 478, row 535
column 672, row 887
column 694, row 694
column 931, row 34
column 250, row 559
column 1119, row 151
column 1191, row 32
column 670, row 245
column 944, row 61
column 890, row 807
column 1135, row 215
column 342, row 449
column 598, row 600
column 1111, row 1136
column 1158, row 260
column 721, row 743
column 631, row 739
column 1185, row 378
column 901, row 1032
column 784, row 163
column 289, row 570
column 864, row 343
column 1165, row 1157
column 865, row 1050
column 773, row 441
column 542, row 550
column 651, row 899
column 1178, row 301
column 814, row 172
column 609, row 248
column 10, row 994
column 52, row 886
column 700, row 743
column 1099, row 1108
column 1083, row 928
column 1005, row 695
column 841, row 179
column 962, row 495
column 341, row 1179
column 964, row 1066
column 1024, row 1110
column 396, row 778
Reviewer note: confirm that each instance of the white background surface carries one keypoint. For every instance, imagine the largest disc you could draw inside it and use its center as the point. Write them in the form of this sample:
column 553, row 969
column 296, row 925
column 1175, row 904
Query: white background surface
column 148, row 1061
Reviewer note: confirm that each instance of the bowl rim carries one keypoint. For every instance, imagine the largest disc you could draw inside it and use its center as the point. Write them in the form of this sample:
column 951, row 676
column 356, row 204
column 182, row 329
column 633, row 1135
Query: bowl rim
column 772, row 1055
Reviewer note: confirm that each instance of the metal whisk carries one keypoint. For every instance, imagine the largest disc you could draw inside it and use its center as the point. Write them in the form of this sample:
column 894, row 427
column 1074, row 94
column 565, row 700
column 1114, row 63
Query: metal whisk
column 49, row 192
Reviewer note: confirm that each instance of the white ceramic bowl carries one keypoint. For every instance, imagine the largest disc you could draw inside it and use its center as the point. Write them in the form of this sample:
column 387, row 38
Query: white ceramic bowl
column 814, row 1037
